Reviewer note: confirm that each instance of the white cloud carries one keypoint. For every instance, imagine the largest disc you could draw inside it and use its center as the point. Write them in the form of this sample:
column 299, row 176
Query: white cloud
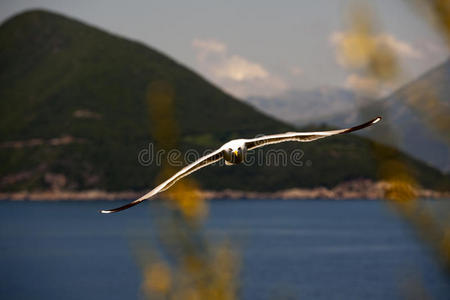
column 336, row 37
column 209, row 46
column 239, row 69
column 400, row 47
column 296, row 71
column 361, row 83
column 367, row 85
column 268, row 87
column 236, row 74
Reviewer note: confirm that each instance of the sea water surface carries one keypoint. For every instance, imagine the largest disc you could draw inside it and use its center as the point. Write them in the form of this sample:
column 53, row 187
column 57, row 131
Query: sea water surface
column 305, row 249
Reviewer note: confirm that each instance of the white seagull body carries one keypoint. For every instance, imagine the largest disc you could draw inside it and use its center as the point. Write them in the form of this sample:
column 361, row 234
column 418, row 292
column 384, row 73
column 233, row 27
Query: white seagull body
column 233, row 152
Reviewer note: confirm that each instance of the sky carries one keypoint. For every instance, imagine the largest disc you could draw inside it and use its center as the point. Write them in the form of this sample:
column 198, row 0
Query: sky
column 256, row 48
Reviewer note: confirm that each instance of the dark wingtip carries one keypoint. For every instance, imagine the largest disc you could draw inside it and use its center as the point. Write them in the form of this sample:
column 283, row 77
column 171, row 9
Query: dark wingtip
column 364, row 125
column 109, row 211
column 376, row 120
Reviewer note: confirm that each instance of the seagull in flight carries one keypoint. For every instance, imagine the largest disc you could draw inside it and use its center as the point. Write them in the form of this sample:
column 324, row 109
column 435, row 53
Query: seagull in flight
column 234, row 152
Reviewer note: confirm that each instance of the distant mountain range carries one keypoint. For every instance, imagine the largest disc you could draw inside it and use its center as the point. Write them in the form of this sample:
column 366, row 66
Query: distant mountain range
column 339, row 107
column 74, row 114
column 304, row 107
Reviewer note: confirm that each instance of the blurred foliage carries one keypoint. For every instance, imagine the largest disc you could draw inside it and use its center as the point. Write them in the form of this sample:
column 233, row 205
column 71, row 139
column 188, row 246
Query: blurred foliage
column 164, row 129
column 436, row 12
column 383, row 67
column 360, row 48
column 196, row 270
column 432, row 108
column 188, row 266
column 367, row 52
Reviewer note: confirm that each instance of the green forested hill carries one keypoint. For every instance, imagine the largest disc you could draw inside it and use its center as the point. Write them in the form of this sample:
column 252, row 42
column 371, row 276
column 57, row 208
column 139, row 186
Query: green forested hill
column 74, row 112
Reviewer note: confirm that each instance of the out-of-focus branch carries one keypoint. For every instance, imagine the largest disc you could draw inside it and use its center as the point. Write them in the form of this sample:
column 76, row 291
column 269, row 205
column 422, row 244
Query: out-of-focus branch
column 187, row 265
column 362, row 49
column 437, row 12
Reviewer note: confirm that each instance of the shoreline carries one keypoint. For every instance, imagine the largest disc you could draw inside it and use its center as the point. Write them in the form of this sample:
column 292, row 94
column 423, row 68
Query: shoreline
column 360, row 189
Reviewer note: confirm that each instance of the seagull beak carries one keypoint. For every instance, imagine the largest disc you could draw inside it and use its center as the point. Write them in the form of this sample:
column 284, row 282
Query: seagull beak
column 235, row 152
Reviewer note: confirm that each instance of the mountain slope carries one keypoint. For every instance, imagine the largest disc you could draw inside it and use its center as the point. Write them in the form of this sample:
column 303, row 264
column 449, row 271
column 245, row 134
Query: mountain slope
column 74, row 114
column 414, row 128
column 337, row 107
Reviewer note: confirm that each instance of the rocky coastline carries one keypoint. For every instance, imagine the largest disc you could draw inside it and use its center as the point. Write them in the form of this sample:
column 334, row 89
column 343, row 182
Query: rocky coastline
column 360, row 189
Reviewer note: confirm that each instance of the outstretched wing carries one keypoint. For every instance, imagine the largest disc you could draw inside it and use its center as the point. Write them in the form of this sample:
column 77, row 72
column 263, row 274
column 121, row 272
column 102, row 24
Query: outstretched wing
column 198, row 164
column 302, row 136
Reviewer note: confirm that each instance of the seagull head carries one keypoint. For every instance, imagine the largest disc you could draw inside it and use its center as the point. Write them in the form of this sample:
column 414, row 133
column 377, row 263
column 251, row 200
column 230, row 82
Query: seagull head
column 234, row 151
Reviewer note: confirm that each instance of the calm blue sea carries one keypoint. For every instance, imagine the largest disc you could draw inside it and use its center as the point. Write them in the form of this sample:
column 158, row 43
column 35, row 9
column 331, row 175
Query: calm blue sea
column 306, row 249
